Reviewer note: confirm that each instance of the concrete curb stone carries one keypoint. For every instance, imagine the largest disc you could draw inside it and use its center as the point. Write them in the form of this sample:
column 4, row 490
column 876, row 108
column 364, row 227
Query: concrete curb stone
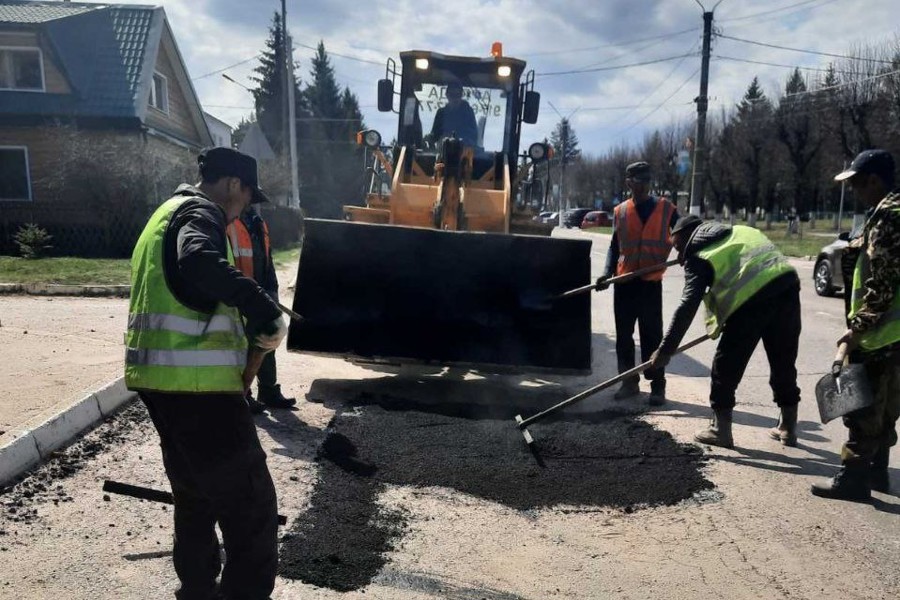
column 53, row 289
column 30, row 447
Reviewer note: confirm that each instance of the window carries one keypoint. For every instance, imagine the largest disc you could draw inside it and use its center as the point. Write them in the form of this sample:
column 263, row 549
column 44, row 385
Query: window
column 15, row 181
column 159, row 93
column 21, row 69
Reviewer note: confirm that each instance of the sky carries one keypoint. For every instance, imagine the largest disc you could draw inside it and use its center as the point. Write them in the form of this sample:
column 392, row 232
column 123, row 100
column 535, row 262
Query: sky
column 607, row 108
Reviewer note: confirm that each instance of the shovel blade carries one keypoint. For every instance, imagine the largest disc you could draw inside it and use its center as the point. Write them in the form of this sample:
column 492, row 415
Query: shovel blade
column 838, row 396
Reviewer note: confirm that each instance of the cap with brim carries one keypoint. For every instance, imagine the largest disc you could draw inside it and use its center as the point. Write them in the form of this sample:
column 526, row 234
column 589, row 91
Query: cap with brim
column 639, row 171
column 687, row 222
column 227, row 162
column 872, row 162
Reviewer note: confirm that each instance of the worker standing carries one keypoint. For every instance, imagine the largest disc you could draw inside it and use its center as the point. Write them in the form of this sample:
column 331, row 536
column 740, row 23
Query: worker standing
column 185, row 356
column 753, row 293
column 248, row 236
column 874, row 331
column 641, row 238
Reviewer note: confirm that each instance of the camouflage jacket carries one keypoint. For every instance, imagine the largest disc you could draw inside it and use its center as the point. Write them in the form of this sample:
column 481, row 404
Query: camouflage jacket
column 881, row 240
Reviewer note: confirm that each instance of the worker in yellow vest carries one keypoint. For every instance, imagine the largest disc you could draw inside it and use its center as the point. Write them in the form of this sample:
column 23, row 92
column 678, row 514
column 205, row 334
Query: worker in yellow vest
column 186, row 349
column 874, row 331
column 751, row 294
column 640, row 239
column 250, row 243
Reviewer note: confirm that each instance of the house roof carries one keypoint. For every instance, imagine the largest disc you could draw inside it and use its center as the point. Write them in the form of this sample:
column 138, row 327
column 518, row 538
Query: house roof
column 106, row 52
column 40, row 12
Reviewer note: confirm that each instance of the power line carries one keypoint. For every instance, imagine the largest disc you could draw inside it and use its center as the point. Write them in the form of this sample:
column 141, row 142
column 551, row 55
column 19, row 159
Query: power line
column 691, row 50
column 613, row 68
column 347, row 56
column 613, row 44
column 769, row 12
column 217, row 71
column 771, row 64
column 736, row 39
column 658, row 106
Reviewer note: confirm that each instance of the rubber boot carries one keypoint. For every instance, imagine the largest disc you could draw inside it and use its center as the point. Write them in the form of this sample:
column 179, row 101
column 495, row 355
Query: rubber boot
column 630, row 388
column 879, row 477
column 272, row 397
column 786, row 430
column 719, row 431
column 657, row 392
column 850, row 483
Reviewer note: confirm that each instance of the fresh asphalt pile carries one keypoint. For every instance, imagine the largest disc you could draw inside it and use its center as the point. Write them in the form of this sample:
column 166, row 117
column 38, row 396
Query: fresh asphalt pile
column 408, row 437
column 19, row 500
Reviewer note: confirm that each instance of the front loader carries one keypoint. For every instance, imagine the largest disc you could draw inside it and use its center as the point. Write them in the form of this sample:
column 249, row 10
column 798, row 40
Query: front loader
column 435, row 268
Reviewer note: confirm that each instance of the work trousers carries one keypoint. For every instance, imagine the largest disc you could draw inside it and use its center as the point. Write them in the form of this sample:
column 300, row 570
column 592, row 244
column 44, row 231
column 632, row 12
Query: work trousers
column 267, row 376
column 638, row 301
column 217, row 469
column 775, row 320
column 874, row 427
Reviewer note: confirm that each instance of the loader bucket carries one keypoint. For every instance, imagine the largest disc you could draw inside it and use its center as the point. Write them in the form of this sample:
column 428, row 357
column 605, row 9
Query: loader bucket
column 385, row 293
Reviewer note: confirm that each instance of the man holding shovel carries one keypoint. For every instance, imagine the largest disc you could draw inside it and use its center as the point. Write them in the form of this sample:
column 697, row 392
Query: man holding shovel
column 751, row 293
column 640, row 239
column 873, row 336
column 185, row 355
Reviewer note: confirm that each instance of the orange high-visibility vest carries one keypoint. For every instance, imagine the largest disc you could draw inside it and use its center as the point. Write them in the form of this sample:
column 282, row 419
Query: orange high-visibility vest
column 242, row 245
column 643, row 244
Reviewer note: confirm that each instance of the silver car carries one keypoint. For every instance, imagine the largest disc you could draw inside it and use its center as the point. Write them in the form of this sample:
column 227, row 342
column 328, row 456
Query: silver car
column 827, row 276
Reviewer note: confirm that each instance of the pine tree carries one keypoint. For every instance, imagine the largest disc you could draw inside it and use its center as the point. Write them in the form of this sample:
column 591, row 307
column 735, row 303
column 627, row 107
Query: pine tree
column 564, row 129
column 269, row 92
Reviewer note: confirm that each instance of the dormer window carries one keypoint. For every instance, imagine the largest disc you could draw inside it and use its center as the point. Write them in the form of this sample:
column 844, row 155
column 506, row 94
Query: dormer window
column 159, row 93
column 21, row 69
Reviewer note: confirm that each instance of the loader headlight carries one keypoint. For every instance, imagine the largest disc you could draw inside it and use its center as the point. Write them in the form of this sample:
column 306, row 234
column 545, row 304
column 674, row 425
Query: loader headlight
column 538, row 151
column 369, row 138
column 422, row 64
column 504, row 71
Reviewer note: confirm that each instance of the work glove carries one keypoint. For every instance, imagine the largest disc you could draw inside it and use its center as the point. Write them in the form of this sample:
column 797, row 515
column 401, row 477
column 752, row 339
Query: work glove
column 270, row 335
column 602, row 283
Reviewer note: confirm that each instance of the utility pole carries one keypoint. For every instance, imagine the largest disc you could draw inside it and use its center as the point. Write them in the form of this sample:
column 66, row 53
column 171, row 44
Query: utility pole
column 290, row 112
column 565, row 159
column 699, row 176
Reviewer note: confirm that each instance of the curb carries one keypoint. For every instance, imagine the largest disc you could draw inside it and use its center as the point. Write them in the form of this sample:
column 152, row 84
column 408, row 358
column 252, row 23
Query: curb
column 53, row 289
column 30, row 447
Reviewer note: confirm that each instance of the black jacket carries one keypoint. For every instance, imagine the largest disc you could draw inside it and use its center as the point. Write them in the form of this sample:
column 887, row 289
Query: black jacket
column 698, row 277
column 196, row 265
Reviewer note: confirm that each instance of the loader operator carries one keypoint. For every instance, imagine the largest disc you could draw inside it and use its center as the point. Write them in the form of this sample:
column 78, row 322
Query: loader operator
column 753, row 294
column 455, row 118
column 640, row 239
column 185, row 355
column 248, row 236
column 874, row 331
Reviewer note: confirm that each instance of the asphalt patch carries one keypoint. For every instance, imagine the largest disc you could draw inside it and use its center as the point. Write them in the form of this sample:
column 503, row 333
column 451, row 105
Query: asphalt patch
column 19, row 501
column 602, row 459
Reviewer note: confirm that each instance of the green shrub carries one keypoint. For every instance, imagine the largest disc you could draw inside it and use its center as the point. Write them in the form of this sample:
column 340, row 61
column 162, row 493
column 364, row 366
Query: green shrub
column 33, row 241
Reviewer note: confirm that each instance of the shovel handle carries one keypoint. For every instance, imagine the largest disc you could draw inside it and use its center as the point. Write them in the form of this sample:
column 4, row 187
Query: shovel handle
column 606, row 384
column 839, row 359
column 620, row 278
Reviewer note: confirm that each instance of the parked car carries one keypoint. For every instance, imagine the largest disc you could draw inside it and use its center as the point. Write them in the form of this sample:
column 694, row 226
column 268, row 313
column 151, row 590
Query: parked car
column 551, row 218
column 827, row 276
column 596, row 218
column 542, row 217
column 574, row 217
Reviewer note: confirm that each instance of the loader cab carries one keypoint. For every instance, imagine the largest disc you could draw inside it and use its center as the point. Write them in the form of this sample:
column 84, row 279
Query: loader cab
column 492, row 87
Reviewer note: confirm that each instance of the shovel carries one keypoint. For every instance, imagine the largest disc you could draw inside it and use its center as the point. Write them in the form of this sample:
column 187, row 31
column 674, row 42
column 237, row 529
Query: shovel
column 539, row 301
column 523, row 424
column 844, row 390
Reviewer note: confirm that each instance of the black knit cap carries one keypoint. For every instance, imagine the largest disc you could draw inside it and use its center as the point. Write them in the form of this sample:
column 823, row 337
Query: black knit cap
column 227, row 162
column 687, row 222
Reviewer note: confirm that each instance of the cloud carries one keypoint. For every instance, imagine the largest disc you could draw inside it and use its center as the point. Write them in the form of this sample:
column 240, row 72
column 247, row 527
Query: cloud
column 551, row 36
